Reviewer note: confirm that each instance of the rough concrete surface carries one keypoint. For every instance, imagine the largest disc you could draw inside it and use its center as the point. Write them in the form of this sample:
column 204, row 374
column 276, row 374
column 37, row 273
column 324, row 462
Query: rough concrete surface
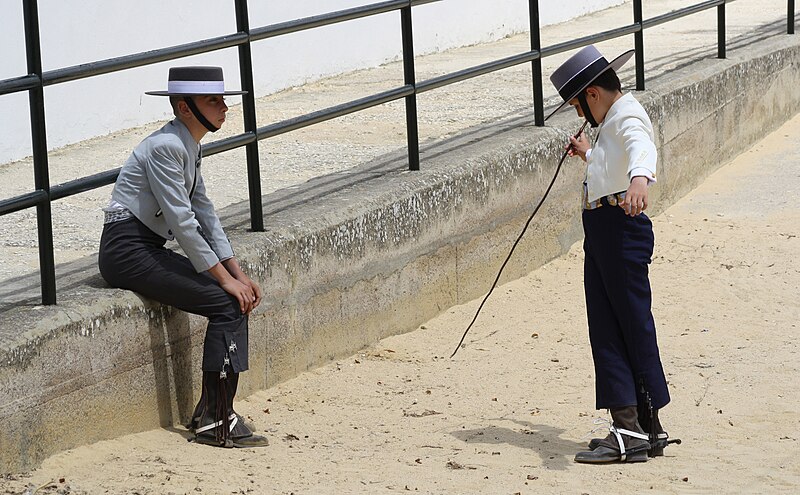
column 507, row 415
column 354, row 256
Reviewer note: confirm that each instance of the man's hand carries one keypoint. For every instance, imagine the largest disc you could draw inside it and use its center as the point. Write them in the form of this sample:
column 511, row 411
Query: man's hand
column 635, row 200
column 578, row 146
column 242, row 292
column 234, row 281
column 254, row 287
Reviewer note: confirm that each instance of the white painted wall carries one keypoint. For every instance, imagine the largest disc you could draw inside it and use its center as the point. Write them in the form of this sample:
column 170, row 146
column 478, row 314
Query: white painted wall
column 75, row 32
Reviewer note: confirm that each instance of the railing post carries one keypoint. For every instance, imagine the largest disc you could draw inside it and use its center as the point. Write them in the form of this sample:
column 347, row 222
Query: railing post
column 638, row 40
column 41, row 173
column 412, row 130
column 536, row 65
column 250, row 122
column 790, row 18
column 721, row 30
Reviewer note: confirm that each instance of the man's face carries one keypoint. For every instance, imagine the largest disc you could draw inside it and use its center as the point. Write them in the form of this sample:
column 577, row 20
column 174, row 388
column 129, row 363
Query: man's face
column 596, row 101
column 213, row 107
column 577, row 106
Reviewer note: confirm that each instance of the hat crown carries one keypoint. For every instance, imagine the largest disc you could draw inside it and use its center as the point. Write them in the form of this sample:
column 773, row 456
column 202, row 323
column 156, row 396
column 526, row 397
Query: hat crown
column 195, row 73
column 578, row 69
column 195, row 81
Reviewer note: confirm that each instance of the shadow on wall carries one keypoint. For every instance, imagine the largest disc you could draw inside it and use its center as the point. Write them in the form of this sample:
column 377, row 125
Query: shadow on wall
column 173, row 367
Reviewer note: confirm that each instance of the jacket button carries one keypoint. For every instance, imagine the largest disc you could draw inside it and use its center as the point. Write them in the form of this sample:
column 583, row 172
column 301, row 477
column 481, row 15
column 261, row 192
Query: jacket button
column 169, row 232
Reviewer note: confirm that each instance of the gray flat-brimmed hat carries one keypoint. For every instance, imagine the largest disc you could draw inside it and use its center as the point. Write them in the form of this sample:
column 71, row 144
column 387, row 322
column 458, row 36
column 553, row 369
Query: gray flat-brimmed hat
column 581, row 70
column 195, row 81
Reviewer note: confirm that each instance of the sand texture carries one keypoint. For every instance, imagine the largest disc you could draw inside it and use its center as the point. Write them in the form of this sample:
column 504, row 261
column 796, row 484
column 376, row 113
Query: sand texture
column 508, row 413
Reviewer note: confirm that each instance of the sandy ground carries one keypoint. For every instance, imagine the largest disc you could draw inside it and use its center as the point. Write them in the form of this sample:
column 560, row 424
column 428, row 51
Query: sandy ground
column 508, row 413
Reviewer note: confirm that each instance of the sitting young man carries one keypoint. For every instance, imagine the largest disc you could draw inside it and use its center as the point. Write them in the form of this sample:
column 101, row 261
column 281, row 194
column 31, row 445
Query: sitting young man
column 160, row 195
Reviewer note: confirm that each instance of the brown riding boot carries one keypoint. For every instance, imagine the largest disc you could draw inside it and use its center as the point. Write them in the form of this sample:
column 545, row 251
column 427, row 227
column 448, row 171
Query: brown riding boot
column 626, row 441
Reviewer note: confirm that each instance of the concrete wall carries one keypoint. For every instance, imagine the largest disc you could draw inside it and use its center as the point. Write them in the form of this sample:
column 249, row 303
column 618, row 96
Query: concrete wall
column 354, row 258
column 75, row 33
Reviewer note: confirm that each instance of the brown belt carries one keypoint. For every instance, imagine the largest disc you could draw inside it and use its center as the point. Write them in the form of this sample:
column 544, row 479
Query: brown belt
column 610, row 200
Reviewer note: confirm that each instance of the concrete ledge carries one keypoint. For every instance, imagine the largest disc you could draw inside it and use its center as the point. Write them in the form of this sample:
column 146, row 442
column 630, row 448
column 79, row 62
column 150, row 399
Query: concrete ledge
column 354, row 257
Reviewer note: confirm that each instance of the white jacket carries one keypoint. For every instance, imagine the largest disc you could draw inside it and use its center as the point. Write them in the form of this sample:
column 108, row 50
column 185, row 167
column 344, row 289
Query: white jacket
column 625, row 148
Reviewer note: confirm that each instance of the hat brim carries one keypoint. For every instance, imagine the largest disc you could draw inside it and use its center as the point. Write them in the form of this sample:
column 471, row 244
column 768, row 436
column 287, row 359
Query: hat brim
column 167, row 93
column 615, row 64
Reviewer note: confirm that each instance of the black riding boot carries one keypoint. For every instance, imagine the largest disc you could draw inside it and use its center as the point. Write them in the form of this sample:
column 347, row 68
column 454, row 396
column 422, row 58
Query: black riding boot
column 218, row 425
column 658, row 437
column 198, row 410
column 213, row 426
column 241, row 433
column 626, row 442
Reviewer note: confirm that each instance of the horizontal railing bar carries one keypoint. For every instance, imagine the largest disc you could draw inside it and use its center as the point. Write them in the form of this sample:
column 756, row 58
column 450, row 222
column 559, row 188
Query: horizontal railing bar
column 144, row 58
column 22, row 83
column 677, row 14
column 81, row 71
column 311, row 22
column 330, row 18
column 478, row 70
column 229, row 143
column 83, row 184
column 588, row 40
column 22, row 202
column 60, row 191
column 109, row 177
column 333, row 112
column 139, row 59
column 88, row 183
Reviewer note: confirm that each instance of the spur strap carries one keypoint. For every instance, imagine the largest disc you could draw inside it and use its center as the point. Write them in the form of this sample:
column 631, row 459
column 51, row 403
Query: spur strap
column 233, row 421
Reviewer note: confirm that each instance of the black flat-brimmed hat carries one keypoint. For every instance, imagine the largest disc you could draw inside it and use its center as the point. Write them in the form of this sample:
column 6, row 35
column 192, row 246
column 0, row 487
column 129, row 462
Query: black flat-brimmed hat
column 195, row 81
column 581, row 70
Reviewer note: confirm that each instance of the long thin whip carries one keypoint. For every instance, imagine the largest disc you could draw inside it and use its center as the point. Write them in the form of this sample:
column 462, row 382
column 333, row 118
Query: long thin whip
column 524, row 229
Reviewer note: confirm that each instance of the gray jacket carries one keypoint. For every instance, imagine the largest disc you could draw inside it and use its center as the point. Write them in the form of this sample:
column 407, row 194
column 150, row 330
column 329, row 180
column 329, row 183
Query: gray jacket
column 162, row 186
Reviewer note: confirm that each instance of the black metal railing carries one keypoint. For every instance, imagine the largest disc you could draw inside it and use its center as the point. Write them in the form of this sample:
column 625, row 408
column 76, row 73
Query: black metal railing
column 35, row 81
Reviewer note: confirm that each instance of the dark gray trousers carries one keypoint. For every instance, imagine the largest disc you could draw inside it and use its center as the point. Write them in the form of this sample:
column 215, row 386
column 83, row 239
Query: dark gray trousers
column 133, row 257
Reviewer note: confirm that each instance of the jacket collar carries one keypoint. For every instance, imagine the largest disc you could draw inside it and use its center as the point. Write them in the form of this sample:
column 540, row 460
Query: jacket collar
column 192, row 146
column 617, row 106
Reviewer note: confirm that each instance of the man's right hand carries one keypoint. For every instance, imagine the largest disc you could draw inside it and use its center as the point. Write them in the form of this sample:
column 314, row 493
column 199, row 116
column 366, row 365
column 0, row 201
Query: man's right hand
column 578, row 146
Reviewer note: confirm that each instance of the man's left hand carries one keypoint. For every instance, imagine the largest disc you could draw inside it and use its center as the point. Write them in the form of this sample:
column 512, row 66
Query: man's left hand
column 232, row 265
column 256, row 291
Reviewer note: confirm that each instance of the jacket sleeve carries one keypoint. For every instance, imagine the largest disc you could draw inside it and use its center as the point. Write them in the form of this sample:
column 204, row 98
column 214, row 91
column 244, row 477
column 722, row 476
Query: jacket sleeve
column 639, row 148
column 209, row 221
column 165, row 172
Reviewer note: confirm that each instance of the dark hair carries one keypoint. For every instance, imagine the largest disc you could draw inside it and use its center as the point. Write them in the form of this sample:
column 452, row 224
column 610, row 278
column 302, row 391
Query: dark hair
column 173, row 101
column 608, row 80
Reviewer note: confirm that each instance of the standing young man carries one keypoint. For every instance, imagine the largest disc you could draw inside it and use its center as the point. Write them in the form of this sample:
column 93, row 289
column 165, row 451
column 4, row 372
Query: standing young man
column 159, row 196
column 618, row 246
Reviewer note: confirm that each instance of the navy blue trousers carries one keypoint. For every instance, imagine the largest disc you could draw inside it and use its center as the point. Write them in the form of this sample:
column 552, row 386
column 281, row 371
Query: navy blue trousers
column 622, row 331
column 133, row 257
